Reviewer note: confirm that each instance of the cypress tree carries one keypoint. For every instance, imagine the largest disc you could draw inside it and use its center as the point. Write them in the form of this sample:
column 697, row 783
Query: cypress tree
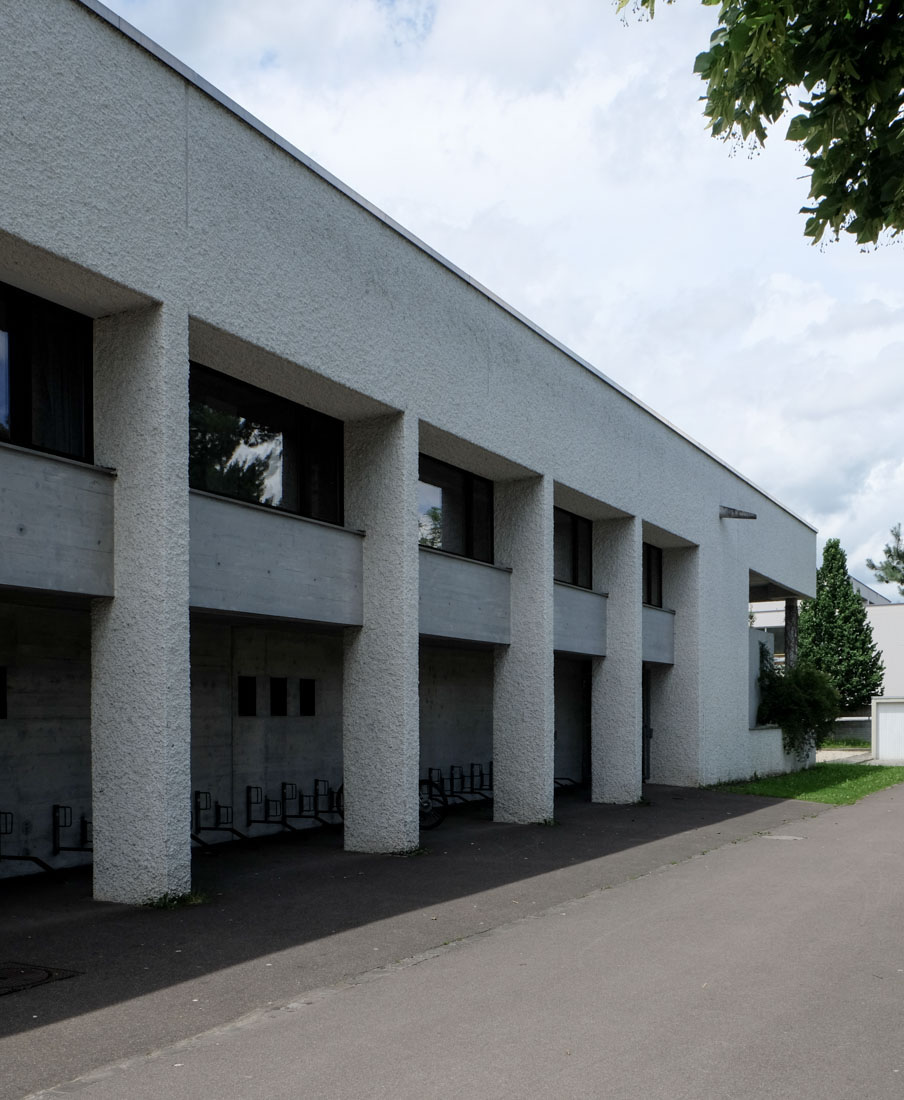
column 836, row 636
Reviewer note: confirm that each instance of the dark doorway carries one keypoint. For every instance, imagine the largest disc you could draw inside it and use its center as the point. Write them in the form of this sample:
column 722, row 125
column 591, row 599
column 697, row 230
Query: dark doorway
column 646, row 722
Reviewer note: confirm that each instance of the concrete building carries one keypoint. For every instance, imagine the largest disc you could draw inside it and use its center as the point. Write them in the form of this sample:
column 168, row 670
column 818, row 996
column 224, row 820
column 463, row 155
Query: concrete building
column 285, row 497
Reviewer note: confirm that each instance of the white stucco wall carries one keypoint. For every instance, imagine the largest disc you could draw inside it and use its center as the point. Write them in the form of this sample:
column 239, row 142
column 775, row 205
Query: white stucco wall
column 524, row 687
column 887, row 621
column 616, row 679
column 140, row 706
column 380, row 732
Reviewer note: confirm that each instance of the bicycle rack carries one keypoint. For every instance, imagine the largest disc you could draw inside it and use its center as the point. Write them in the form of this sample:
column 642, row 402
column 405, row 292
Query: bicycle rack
column 7, row 821
column 327, row 801
column 323, row 802
column 273, row 808
column 462, row 784
column 222, row 818
column 289, row 793
column 62, row 819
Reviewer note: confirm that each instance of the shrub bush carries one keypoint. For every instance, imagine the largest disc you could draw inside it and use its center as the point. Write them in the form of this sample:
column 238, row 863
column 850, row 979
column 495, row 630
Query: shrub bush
column 801, row 700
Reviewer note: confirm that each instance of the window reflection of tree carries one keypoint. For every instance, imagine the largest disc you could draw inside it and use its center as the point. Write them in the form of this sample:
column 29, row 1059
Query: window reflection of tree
column 430, row 515
column 430, row 528
column 235, row 456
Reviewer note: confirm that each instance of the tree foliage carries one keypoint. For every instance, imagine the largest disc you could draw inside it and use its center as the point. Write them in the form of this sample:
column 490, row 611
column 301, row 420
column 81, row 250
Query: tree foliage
column 891, row 569
column 843, row 61
column 801, row 700
column 835, row 634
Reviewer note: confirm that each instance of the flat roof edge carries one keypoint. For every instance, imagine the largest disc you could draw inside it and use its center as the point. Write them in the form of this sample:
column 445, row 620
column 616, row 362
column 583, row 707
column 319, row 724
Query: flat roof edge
column 172, row 62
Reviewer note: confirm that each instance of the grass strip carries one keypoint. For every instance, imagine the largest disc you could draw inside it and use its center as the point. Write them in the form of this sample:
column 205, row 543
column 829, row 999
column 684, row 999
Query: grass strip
column 838, row 784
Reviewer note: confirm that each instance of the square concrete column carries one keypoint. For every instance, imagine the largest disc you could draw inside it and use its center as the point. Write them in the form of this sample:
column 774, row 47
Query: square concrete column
column 615, row 720
column 140, row 706
column 726, row 743
column 380, row 679
column 675, row 751
column 524, row 694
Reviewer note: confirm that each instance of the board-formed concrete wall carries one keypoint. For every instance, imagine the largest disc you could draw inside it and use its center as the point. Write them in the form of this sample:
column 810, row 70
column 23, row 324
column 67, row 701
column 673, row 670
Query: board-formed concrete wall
column 45, row 740
column 456, row 708
column 257, row 561
column 56, row 523
column 580, row 621
column 142, row 197
column 231, row 752
column 463, row 599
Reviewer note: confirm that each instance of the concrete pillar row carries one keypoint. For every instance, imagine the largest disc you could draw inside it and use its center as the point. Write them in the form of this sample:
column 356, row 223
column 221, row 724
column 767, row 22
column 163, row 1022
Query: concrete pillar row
column 380, row 679
column 140, row 705
column 524, row 694
column 615, row 719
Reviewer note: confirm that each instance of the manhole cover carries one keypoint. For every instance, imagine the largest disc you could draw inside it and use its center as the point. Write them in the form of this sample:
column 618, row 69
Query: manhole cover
column 15, row 977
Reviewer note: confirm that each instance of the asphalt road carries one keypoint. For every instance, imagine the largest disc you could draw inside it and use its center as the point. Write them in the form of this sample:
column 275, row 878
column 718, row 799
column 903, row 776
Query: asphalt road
column 704, row 946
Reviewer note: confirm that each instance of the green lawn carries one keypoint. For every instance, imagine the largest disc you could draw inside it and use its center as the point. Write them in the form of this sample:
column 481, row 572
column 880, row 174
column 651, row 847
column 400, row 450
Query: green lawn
column 839, row 784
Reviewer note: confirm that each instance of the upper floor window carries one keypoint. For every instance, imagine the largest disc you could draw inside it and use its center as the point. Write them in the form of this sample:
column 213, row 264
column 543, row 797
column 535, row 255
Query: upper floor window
column 251, row 445
column 572, row 542
column 455, row 510
column 652, row 575
column 45, row 375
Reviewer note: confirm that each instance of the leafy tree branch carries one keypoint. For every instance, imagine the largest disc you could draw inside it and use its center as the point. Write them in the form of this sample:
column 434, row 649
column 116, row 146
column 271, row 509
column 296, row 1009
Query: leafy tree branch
column 891, row 569
column 843, row 61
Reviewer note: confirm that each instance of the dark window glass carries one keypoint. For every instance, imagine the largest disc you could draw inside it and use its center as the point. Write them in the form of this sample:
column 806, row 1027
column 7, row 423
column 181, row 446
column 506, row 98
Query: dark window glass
column 45, row 375
column 3, row 711
column 572, row 548
column 246, row 696
column 4, row 386
column 584, row 552
column 652, row 575
column 481, row 518
column 251, row 445
column 455, row 510
column 279, row 696
column 306, row 700
column 323, row 461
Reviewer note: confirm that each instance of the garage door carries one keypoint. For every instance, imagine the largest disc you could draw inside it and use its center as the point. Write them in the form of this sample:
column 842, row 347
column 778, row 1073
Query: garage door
column 888, row 729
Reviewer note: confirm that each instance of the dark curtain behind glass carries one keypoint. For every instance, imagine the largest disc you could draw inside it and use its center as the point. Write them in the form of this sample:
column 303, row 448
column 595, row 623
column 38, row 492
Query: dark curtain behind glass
column 45, row 375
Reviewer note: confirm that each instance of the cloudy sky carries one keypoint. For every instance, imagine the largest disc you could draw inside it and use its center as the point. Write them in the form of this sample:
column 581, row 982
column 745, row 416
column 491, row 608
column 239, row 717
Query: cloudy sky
column 559, row 155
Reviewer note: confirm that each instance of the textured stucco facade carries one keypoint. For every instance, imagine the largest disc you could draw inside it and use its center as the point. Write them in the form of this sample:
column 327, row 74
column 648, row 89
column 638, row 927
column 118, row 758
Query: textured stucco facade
column 140, row 197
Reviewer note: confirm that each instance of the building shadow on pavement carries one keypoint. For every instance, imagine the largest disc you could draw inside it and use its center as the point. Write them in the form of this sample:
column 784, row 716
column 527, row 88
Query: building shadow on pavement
column 275, row 894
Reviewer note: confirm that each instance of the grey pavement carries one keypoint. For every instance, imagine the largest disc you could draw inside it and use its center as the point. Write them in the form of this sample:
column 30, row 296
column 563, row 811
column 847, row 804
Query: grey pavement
column 627, row 952
column 854, row 756
column 844, row 756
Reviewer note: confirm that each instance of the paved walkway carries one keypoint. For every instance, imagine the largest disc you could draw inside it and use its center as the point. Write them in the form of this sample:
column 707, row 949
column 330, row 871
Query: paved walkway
column 628, row 952
column 853, row 756
column 844, row 756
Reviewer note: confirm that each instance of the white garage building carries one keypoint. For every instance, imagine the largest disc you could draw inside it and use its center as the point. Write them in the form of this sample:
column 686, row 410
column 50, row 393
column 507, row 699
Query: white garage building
column 285, row 496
